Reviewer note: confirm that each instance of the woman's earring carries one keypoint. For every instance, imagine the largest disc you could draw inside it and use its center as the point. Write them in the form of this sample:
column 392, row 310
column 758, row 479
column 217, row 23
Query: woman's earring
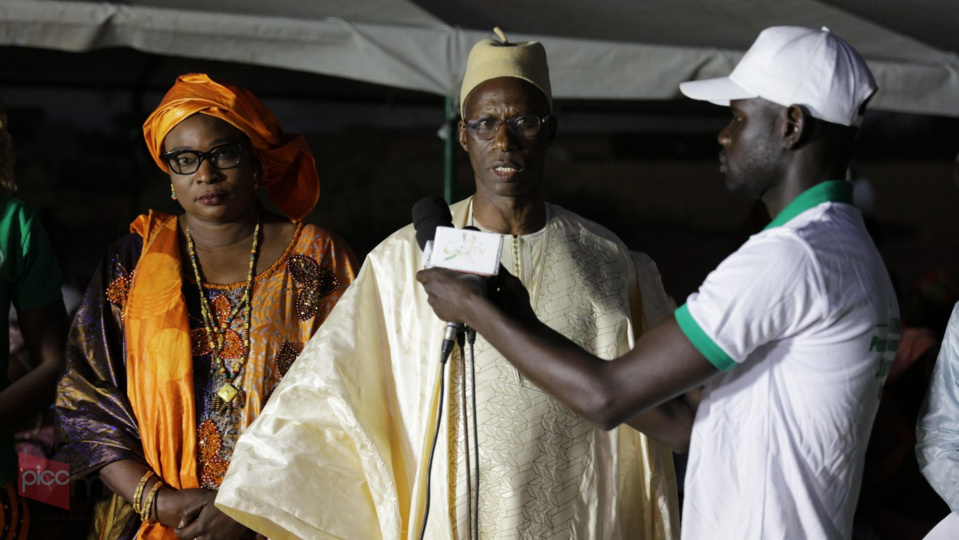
column 256, row 186
column 172, row 192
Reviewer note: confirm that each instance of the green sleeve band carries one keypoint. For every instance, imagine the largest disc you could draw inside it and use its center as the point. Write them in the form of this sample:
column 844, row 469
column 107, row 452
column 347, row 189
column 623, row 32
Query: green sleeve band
column 701, row 341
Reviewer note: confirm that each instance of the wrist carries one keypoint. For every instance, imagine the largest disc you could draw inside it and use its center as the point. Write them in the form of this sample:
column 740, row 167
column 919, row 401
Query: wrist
column 478, row 308
column 149, row 510
column 166, row 508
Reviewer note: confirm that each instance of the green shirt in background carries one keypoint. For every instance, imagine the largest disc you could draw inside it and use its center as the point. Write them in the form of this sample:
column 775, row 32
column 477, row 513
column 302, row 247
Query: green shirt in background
column 29, row 279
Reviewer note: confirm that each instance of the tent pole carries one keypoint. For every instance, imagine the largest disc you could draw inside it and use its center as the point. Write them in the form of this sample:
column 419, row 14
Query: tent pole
column 449, row 163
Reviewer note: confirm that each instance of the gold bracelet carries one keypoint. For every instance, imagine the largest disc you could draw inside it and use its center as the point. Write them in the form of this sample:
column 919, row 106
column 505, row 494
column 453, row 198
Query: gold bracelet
column 138, row 494
column 150, row 502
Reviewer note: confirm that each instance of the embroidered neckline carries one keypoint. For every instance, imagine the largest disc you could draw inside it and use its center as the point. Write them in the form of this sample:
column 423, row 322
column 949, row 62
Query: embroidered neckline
column 266, row 273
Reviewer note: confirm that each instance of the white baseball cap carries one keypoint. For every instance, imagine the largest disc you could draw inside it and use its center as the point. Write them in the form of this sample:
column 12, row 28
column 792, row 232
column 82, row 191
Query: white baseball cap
column 792, row 65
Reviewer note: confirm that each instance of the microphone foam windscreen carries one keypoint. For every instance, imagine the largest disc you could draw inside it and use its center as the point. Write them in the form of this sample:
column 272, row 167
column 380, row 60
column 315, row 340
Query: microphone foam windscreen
column 428, row 214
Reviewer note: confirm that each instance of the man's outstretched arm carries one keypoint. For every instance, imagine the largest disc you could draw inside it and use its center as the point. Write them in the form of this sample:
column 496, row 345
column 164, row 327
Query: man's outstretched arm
column 663, row 364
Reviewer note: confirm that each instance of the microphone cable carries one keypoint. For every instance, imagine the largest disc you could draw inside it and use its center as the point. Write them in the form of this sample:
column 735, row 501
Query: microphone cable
column 445, row 353
column 471, row 339
column 474, row 492
column 464, row 408
column 436, row 434
column 472, row 489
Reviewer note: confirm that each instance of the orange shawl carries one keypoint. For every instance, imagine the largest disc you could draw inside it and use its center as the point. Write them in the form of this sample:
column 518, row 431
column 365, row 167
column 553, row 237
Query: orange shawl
column 286, row 163
column 160, row 361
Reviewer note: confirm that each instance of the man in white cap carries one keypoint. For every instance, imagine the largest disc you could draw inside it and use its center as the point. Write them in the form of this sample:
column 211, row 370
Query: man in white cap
column 792, row 335
column 344, row 446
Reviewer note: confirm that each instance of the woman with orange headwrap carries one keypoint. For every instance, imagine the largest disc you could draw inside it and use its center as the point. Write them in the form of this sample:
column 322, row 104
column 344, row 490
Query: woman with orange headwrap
column 192, row 320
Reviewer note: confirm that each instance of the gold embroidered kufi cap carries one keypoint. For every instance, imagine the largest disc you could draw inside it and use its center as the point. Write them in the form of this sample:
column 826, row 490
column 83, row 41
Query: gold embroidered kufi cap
column 491, row 59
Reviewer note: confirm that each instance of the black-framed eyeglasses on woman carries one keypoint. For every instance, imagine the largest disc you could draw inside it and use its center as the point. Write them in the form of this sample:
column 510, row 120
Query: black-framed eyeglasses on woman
column 224, row 156
column 526, row 125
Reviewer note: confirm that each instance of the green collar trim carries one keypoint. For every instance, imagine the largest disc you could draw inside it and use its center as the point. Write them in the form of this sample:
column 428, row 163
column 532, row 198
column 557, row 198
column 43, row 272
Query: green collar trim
column 832, row 191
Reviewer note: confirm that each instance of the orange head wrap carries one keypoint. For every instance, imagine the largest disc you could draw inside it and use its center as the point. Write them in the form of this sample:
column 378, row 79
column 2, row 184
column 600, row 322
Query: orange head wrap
column 288, row 168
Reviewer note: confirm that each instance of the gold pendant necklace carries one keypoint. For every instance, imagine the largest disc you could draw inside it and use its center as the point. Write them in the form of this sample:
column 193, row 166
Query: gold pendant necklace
column 228, row 397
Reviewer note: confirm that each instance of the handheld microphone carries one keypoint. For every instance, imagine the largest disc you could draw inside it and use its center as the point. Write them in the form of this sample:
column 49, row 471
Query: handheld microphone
column 428, row 214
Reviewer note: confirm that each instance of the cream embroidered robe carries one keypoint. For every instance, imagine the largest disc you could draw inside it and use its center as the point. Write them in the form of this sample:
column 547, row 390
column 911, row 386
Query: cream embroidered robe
column 341, row 448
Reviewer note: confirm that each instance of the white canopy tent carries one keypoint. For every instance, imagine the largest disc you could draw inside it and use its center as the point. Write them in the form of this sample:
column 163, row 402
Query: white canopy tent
column 367, row 79
column 604, row 49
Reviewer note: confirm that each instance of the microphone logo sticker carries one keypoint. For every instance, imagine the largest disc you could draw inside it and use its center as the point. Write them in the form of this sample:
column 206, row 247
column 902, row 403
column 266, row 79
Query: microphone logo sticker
column 467, row 251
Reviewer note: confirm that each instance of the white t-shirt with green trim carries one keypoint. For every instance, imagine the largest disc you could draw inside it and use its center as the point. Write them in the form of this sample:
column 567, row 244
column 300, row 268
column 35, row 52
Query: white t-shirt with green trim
column 804, row 323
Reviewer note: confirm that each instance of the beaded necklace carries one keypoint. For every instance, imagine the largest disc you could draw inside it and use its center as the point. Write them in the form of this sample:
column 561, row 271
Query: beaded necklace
column 228, row 396
column 516, row 268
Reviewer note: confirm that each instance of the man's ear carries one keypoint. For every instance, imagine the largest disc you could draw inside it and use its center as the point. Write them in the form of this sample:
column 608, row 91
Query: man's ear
column 798, row 126
column 462, row 135
column 553, row 124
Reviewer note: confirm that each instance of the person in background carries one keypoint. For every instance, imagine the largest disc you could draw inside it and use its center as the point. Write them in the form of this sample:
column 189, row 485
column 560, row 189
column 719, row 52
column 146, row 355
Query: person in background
column 896, row 501
column 34, row 433
column 937, row 432
column 344, row 447
column 191, row 321
column 793, row 334
column 30, row 280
